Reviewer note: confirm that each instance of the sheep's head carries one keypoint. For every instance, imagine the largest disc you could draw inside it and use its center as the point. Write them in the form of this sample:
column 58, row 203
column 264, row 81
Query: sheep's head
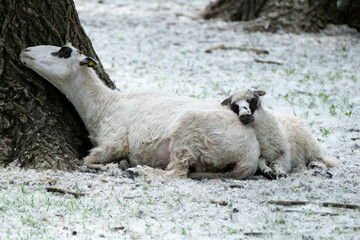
column 244, row 104
column 55, row 64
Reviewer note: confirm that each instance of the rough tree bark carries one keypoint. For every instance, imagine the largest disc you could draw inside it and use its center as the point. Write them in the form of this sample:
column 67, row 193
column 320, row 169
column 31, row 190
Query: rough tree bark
column 38, row 125
column 233, row 10
column 288, row 15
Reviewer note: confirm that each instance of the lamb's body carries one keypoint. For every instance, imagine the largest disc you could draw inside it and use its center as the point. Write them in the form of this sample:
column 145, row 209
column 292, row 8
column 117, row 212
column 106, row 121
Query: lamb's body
column 158, row 131
column 304, row 148
column 284, row 140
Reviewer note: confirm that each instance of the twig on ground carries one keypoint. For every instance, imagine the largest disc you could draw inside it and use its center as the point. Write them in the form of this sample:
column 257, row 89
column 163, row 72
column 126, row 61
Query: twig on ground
column 132, row 197
column 319, row 213
column 221, row 203
column 354, row 130
column 325, row 204
column 118, row 228
column 268, row 62
column 223, row 47
column 65, row 191
column 185, row 15
column 340, row 205
column 51, row 181
column 287, row 203
column 220, row 46
column 254, row 50
column 256, row 234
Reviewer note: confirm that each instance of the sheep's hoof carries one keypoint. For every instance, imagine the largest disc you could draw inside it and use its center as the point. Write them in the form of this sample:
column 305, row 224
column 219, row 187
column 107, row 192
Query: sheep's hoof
column 313, row 165
column 130, row 174
column 124, row 165
column 326, row 174
column 329, row 174
column 269, row 175
column 281, row 175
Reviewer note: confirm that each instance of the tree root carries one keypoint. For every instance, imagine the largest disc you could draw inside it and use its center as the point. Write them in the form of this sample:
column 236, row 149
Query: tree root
column 65, row 191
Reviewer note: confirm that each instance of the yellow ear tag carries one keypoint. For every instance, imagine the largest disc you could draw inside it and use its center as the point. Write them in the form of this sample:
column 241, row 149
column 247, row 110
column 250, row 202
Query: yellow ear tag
column 91, row 64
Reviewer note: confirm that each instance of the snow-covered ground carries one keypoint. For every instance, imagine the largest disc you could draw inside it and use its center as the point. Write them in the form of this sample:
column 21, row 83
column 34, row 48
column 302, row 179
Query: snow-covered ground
column 157, row 44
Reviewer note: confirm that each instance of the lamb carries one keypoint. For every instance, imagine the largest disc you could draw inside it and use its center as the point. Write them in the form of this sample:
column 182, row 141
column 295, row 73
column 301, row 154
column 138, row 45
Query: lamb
column 168, row 135
column 284, row 140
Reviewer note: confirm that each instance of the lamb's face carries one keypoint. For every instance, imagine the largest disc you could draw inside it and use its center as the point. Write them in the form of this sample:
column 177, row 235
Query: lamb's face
column 55, row 64
column 244, row 104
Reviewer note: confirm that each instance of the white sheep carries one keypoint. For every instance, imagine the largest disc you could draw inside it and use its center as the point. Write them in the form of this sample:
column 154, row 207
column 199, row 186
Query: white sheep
column 284, row 140
column 168, row 133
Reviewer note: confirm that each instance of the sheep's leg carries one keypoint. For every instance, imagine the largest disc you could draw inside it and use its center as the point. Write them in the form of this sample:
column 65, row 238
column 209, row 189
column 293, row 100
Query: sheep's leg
column 240, row 171
column 316, row 164
column 278, row 169
column 98, row 157
column 265, row 169
column 105, row 154
column 124, row 164
column 154, row 174
column 177, row 168
column 93, row 161
column 148, row 173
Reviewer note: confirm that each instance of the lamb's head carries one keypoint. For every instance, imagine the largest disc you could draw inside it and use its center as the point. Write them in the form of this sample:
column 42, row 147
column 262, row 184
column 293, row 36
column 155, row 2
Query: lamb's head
column 244, row 104
column 56, row 64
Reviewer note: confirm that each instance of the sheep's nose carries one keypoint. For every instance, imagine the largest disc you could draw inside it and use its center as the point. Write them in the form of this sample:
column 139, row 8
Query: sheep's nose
column 244, row 111
column 245, row 119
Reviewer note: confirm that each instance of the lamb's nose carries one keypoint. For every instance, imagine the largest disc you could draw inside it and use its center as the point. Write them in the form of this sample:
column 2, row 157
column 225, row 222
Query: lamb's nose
column 244, row 111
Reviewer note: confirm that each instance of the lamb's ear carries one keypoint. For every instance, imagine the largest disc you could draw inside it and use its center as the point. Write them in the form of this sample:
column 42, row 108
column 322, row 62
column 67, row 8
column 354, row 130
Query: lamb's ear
column 88, row 61
column 259, row 93
column 227, row 101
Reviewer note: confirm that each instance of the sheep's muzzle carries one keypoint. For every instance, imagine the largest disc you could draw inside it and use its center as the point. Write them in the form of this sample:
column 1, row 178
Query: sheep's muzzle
column 248, row 118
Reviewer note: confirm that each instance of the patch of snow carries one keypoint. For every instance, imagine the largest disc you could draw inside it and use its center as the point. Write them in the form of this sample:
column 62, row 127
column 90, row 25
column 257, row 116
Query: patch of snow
column 156, row 44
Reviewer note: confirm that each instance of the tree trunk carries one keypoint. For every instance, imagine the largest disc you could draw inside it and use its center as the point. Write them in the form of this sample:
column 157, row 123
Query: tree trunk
column 38, row 126
column 287, row 15
column 233, row 10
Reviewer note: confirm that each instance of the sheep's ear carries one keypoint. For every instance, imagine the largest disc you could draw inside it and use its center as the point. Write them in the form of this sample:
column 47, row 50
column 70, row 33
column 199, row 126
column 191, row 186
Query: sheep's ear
column 88, row 61
column 259, row 93
column 227, row 101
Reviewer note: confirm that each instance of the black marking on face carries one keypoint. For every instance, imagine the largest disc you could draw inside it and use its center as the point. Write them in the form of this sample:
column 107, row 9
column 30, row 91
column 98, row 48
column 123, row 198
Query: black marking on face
column 235, row 108
column 64, row 52
column 253, row 104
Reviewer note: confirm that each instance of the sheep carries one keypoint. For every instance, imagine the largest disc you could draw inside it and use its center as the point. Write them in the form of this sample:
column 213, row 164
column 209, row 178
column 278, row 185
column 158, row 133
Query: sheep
column 284, row 140
column 161, row 136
